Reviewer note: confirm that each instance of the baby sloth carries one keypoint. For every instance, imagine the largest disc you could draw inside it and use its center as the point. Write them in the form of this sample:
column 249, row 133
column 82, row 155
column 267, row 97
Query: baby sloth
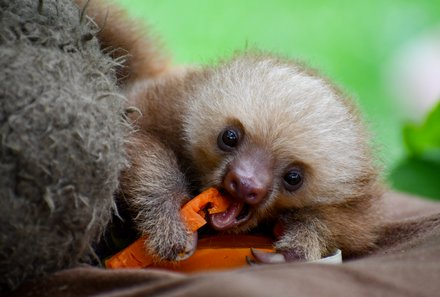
column 281, row 142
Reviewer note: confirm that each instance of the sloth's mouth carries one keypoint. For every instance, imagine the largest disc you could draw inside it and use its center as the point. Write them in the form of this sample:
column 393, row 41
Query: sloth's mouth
column 236, row 214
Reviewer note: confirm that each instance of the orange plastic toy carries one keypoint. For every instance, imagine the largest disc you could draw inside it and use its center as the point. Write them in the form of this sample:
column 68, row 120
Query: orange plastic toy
column 213, row 253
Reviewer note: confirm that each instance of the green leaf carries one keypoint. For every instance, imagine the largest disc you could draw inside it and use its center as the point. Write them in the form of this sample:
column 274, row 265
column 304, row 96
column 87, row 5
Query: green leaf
column 417, row 176
column 419, row 173
column 423, row 141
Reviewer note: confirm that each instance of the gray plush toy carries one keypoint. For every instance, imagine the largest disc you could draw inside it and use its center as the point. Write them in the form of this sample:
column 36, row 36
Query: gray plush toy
column 61, row 134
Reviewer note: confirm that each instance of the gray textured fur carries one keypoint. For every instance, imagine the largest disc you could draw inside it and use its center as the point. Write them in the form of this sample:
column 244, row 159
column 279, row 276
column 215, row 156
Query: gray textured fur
column 61, row 138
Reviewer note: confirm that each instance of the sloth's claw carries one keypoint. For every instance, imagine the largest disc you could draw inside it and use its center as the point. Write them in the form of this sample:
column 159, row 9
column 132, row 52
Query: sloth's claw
column 190, row 247
column 262, row 257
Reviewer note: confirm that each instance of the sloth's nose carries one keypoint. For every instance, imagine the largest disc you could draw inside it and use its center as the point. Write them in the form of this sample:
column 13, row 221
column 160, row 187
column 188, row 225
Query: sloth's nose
column 245, row 189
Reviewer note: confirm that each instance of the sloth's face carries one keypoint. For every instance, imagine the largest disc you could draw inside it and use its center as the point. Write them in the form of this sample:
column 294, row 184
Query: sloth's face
column 273, row 137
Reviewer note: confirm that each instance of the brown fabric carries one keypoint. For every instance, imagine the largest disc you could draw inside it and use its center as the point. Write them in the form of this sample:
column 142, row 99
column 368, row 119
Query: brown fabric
column 407, row 264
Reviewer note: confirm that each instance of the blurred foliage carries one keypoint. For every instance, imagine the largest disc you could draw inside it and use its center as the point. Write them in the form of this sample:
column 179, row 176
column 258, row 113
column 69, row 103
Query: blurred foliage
column 423, row 141
column 419, row 171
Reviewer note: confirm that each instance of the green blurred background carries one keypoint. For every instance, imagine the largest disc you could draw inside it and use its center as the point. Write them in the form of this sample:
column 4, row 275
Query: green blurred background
column 352, row 42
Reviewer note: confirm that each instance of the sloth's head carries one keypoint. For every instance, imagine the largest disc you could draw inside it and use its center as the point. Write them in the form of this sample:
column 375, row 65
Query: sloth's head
column 273, row 136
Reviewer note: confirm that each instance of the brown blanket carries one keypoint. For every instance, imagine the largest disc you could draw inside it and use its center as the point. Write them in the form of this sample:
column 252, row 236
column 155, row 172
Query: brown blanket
column 406, row 264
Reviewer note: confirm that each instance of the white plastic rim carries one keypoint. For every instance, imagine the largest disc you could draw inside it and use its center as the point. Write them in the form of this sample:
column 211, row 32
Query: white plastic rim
column 333, row 258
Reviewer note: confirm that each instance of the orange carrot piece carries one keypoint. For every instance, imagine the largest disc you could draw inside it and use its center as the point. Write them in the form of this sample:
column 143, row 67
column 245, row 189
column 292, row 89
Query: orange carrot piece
column 132, row 256
column 135, row 256
column 220, row 252
column 191, row 211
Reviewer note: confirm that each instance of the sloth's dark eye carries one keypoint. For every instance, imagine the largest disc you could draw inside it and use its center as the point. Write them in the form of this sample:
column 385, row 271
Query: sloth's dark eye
column 228, row 139
column 293, row 179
